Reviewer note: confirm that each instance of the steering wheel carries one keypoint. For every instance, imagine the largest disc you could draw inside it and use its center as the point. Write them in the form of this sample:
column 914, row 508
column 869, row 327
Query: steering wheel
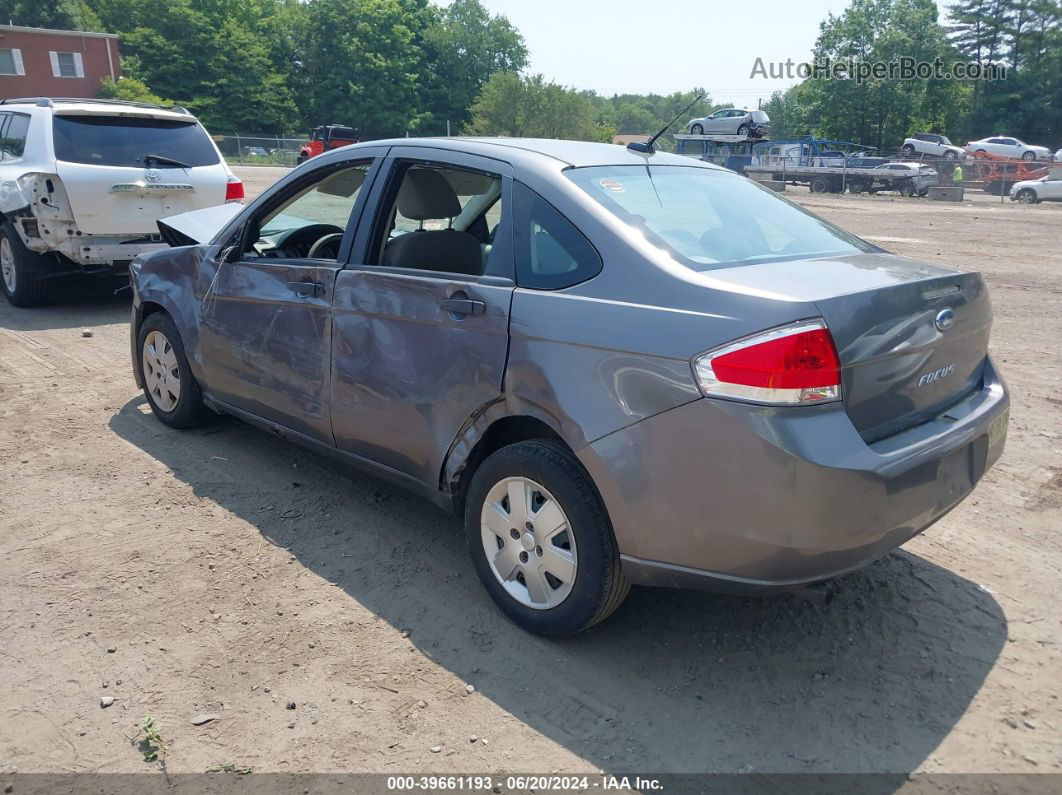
column 321, row 242
column 307, row 237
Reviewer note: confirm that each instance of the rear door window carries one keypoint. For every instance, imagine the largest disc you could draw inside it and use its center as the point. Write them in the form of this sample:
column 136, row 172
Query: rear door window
column 132, row 142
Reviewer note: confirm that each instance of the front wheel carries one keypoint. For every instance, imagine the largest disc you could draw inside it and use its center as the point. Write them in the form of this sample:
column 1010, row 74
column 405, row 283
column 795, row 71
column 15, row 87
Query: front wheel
column 950, row 155
column 1028, row 156
column 541, row 541
column 696, row 129
column 169, row 386
column 1026, row 196
column 908, row 150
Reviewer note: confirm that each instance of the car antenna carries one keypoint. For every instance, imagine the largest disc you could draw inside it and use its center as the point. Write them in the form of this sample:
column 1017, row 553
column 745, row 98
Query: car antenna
column 646, row 147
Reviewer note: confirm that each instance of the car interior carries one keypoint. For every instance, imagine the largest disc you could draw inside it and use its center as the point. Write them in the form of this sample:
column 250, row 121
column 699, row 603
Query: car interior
column 441, row 219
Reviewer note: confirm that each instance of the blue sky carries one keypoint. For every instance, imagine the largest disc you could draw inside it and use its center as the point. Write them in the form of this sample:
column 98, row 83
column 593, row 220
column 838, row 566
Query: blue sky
column 618, row 46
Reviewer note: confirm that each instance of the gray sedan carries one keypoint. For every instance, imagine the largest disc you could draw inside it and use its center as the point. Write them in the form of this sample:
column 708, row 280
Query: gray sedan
column 617, row 367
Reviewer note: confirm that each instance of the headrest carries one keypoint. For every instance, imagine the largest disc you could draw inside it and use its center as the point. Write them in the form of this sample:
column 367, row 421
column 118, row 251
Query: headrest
column 426, row 195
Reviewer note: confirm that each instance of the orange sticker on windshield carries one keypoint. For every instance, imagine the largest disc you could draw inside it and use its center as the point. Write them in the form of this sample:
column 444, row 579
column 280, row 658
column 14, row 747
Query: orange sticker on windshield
column 612, row 185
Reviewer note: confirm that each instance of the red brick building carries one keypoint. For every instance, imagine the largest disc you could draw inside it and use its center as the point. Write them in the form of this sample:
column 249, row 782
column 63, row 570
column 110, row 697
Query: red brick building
column 37, row 62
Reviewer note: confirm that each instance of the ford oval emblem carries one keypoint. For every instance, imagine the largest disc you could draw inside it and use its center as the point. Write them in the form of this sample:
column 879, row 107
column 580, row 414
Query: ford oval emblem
column 945, row 319
column 152, row 175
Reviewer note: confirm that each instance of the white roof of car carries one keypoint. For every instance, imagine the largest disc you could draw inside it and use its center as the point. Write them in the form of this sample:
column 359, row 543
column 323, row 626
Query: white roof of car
column 78, row 106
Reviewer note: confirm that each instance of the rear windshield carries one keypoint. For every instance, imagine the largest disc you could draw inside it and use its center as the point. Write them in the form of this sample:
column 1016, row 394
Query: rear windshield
column 127, row 141
column 710, row 218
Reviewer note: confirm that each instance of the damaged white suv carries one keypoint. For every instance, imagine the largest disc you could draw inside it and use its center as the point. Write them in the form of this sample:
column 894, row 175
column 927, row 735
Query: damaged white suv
column 83, row 183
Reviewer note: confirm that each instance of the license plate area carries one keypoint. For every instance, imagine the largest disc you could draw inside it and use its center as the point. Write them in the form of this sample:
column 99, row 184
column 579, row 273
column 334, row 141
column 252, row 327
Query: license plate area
column 959, row 470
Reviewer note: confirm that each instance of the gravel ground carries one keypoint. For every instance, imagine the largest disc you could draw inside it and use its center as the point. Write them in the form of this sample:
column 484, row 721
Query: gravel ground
column 332, row 623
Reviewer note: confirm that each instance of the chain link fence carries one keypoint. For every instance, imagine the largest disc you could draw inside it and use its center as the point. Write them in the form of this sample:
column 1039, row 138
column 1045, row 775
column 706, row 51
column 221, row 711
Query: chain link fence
column 260, row 150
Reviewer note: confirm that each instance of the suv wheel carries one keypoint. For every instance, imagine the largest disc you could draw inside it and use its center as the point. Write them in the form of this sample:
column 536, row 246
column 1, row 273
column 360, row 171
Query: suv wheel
column 169, row 386
column 951, row 155
column 20, row 269
column 541, row 541
column 1027, row 196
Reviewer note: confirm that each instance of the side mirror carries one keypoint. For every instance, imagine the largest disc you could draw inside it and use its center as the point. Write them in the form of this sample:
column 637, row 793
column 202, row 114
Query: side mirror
column 230, row 254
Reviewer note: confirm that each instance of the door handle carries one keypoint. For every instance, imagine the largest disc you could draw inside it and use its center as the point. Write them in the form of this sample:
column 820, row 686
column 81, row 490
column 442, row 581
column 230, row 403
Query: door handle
column 463, row 306
column 306, row 288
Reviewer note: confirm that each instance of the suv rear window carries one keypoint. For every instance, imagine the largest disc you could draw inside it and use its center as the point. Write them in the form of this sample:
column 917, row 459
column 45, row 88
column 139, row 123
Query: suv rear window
column 708, row 218
column 129, row 141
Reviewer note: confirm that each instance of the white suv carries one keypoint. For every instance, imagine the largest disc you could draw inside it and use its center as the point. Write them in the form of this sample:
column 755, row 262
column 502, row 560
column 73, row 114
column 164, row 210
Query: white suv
column 83, row 183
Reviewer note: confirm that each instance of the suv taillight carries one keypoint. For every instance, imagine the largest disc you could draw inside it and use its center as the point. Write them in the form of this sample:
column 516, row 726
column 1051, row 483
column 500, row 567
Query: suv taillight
column 792, row 365
column 234, row 190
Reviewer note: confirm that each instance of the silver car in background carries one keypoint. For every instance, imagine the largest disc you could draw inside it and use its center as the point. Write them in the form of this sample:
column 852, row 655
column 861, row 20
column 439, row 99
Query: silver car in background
column 618, row 367
column 731, row 121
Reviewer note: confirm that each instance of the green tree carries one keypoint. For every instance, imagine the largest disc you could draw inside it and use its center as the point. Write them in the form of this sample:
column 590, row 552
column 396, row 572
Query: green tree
column 462, row 47
column 529, row 107
column 57, row 14
column 881, row 112
column 208, row 55
column 362, row 64
column 128, row 89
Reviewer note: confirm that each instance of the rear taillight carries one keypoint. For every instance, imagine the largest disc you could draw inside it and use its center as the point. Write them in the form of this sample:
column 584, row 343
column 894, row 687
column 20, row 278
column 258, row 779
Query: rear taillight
column 791, row 365
column 234, row 190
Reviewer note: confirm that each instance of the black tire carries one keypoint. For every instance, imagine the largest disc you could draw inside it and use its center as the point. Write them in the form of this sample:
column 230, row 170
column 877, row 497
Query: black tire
column 599, row 586
column 908, row 189
column 857, row 186
column 189, row 410
column 950, row 155
column 819, row 185
column 696, row 129
column 1028, row 155
column 908, row 150
column 1027, row 196
column 29, row 288
column 302, row 158
column 743, row 130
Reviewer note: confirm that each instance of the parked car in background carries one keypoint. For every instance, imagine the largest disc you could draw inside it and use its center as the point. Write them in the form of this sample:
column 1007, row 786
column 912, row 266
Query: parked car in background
column 255, row 151
column 933, row 145
column 618, row 367
column 1007, row 147
column 1058, row 156
column 909, row 179
column 732, row 121
column 84, row 182
column 1034, row 191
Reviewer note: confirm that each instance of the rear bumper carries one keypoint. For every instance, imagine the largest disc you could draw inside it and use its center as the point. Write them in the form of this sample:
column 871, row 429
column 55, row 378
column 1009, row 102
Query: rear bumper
column 735, row 497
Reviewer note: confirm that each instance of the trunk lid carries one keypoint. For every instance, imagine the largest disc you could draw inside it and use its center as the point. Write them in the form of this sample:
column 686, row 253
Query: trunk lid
column 108, row 200
column 911, row 337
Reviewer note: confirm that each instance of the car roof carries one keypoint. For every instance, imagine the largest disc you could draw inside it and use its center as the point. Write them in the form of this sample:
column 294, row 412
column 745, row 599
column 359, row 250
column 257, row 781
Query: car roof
column 545, row 151
column 82, row 106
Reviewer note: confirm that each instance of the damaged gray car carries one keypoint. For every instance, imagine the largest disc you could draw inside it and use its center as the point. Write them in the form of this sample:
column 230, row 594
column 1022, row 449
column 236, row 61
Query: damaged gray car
column 617, row 366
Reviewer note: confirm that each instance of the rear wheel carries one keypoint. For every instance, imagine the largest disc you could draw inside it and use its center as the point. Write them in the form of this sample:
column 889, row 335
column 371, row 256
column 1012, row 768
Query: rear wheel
column 908, row 189
column 743, row 130
column 302, row 158
column 819, row 185
column 1027, row 196
column 169, row 386
column 20, row 270
column 541, row 541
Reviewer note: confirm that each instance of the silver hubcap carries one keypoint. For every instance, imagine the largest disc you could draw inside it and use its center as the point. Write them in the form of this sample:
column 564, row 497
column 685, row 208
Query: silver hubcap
column 7, row 264
column 162, row 378
column 528, row 543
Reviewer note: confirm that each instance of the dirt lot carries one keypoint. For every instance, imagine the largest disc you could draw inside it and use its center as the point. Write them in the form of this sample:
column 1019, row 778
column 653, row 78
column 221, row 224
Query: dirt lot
column 223, row 571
